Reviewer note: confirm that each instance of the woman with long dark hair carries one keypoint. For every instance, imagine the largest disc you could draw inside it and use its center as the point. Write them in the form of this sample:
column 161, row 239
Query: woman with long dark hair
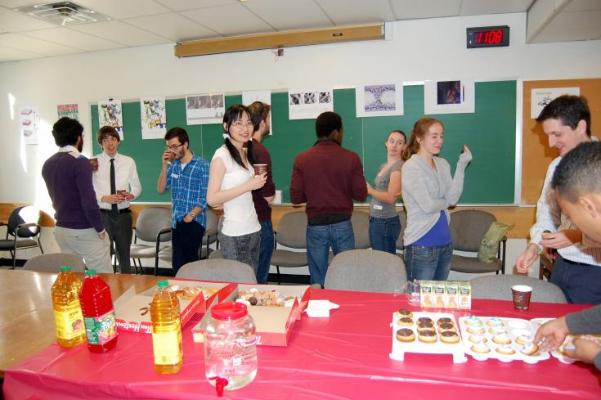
column 231, row 182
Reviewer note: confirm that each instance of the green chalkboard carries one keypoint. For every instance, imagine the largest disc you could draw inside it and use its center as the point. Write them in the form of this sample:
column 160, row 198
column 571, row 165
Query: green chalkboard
column 490, row 133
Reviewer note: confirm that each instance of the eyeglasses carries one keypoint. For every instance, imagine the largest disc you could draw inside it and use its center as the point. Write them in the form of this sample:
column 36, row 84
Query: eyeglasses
column 240, row 124
column 174, row 146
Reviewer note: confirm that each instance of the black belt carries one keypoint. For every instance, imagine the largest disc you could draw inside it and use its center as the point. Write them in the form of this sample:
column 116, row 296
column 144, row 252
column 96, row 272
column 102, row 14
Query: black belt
column 122, row 211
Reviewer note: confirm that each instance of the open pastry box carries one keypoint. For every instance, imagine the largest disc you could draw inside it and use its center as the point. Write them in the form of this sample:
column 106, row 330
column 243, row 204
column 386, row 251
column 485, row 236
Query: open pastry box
column 132, row 310
column 274, row 309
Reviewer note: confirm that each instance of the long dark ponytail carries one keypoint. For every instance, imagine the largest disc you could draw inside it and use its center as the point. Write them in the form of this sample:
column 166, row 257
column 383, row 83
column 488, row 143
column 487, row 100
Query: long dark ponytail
column 233, row 114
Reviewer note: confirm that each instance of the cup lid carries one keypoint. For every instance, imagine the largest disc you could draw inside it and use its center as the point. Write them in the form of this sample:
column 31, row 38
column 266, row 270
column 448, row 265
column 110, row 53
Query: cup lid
column 229, row 311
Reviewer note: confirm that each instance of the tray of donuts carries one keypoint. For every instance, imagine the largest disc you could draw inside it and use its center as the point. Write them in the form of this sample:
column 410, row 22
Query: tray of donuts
column 504, row 339
column 425, row 332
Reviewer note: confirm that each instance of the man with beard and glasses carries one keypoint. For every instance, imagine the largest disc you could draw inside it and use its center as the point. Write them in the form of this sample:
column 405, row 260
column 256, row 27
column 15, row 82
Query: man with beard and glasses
column 68, row 176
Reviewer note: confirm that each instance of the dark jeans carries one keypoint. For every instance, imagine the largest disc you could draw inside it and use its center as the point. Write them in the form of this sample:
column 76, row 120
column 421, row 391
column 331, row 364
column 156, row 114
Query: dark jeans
column 581, row 283
column 120, row 232
column 265, row 251
column 186, row 239
column 428, row 263
column 384, row 232
column 243, row 248
column 320, row 238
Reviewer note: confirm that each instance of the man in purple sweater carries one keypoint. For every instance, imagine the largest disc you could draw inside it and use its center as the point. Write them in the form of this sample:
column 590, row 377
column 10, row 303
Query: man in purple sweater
column 327, row 177
column 68, row 177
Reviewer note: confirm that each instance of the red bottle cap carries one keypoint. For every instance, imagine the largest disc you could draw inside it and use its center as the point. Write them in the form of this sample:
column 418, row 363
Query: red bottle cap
column 229, row 311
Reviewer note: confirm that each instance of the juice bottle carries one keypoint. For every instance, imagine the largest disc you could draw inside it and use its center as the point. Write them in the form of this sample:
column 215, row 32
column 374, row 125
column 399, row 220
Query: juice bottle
column 70, row 330
column 166, row 331
column 98, row 313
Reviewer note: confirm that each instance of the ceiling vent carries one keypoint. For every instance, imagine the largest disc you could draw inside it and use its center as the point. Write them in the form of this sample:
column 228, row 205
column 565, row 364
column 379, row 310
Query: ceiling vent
column 63, row 13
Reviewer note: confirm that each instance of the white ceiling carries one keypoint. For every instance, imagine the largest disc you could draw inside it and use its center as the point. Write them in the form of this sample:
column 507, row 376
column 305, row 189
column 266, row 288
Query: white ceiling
column 148, row 22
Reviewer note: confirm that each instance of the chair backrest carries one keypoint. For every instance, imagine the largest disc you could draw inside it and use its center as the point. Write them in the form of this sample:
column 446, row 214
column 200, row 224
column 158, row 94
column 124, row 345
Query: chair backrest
column 292, row 230
column 51, row 262
column 360, row 222
column 23, row 215
column 210, row 235
column 367, row 271
column 400, row 245
column 498, row 287
column 151, row 221
column 221, row 270
column 468, row 228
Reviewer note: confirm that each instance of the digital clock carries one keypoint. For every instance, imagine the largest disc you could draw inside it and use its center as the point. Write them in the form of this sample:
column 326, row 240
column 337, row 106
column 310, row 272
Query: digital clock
column 488, row 36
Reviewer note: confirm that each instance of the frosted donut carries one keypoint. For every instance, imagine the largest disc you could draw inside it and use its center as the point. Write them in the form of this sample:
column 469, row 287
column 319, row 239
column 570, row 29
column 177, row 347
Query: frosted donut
column 405, row 321
column 529, row 349
column 405, row 335
column 477, row 339
column 427, row 335
column 449, row 337
column 505, row 350
column 503, row 338
column 480, row 348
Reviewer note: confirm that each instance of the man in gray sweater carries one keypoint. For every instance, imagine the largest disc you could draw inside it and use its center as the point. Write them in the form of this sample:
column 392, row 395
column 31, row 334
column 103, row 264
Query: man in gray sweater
column 577, row 185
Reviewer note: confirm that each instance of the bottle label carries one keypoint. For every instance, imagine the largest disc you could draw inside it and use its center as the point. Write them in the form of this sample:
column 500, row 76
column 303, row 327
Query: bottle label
column 69, row 321
column 167, row 347
column 102, row 329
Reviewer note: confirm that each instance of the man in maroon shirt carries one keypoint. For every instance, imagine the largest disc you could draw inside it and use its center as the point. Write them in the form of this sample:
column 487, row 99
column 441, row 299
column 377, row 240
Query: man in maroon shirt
column 260, row 116
column 327, row 177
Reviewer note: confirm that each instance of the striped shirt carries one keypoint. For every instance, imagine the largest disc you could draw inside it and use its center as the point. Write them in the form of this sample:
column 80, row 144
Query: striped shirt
column 549, row 217
column 188, row 187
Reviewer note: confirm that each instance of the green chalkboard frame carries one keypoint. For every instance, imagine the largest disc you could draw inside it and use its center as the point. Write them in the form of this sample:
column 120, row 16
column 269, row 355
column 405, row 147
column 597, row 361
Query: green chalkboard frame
column 490, row 132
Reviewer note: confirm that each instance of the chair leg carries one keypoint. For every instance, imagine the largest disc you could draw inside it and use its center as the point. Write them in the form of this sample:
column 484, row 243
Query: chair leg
column 277, row 267
column 14, row 254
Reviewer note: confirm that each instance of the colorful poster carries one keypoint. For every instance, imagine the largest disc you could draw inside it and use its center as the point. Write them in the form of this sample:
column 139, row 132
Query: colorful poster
column 258, row 95
column 68, row 110
column 449, row 97
column 309, row 103
column 154, row 118
column 543, row 96
column 110, row 114
column 379, row 100
column 205, row 109
column 28, row 123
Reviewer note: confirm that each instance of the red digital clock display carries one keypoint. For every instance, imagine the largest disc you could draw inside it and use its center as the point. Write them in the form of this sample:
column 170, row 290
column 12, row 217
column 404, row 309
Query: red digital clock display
column 489, row 36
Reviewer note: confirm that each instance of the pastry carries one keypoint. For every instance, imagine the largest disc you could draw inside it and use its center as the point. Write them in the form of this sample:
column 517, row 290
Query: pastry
column 449, row 337
column 506, row 350
column 477, row 339
column 481, row 348
column 476, row 329
column 425, row 324
column 494, row 322
column 473, row 321
column 405, row 321
column 425, row 319
column 402, row 313
column 529, row 349
column 497, row 330
column 502, row 338
column 427, row 335
column 405, row 335
column 444, row 320
column 447, row 326
column 523, row 339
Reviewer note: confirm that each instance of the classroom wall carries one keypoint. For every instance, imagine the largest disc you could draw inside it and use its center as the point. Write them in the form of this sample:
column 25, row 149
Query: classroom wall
column 417, row 50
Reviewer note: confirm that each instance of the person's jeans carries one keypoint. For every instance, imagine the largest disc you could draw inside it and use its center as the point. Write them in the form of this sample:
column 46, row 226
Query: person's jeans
column 384, row 232
column 579, row 282
column 320, row 238
column 428, row 263
column 244, row 248
column 265, row 252
column 185, row 240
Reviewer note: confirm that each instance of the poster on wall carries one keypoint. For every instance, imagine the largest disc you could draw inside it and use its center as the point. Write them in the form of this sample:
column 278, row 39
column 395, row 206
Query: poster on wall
column 449, row 97
column 543, row 96
column 68, row 110
column 28, row 124
column 205, row 109
column 263, row 96
column 153, row 117
column 110, row 113
column 309, row 103
column 379, row 100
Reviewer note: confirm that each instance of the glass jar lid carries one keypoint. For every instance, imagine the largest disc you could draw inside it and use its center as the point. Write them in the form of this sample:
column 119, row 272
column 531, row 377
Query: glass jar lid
column 229, row 311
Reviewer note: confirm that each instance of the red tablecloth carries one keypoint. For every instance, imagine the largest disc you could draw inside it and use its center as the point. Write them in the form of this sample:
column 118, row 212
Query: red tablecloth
column 344, row 356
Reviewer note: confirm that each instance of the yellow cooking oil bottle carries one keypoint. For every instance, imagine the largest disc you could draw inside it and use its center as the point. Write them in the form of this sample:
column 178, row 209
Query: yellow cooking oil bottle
column 166, row 330
column 68, row 318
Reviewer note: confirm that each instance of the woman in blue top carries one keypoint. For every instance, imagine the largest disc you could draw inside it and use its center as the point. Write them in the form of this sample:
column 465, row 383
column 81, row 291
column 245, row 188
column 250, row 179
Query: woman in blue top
column 384, row 222
column 428, row 190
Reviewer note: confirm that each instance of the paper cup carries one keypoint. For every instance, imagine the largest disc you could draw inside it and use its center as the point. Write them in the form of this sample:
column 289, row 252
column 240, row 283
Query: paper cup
column 521, row 296
column 260, row 168
column 94, row 164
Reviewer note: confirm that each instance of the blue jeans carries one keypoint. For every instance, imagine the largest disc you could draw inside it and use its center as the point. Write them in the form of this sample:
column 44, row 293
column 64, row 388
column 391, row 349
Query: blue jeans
column 320, row 238
column 578, row 281
column 428, row 263
column 384, row 232
column 185, row 241
column 265, row 251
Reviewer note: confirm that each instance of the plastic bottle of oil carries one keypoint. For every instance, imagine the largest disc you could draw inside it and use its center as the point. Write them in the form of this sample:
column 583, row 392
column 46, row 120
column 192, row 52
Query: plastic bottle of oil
column 70, row 329
column 98, row 313
column 166, row 330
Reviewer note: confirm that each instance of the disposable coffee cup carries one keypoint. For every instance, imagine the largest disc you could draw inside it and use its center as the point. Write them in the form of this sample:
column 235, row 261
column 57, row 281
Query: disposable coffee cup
column 94, row 164
column 260, row 169
column 521, row 296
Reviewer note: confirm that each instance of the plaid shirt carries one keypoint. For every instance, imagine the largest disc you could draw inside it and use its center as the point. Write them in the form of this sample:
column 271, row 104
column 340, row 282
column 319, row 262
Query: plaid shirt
column 188, row 187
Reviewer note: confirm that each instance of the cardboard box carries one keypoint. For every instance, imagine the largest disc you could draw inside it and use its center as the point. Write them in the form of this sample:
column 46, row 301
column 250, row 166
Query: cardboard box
column 274, row 324
column 132, row 311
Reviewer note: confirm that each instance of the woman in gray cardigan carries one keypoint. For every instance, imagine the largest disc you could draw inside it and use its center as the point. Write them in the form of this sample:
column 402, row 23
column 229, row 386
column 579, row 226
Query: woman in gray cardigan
column 428, row 190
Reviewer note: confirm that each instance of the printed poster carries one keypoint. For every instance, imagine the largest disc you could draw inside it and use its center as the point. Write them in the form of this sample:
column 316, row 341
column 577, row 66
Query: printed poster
column 379, row 100
column 543, row 96
column 449, row 97
column 258, row 95
column 28, row 124
column 110, row 114
column 205, row 109
column 309, row 103
column 154, row 118
column 68, row 110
